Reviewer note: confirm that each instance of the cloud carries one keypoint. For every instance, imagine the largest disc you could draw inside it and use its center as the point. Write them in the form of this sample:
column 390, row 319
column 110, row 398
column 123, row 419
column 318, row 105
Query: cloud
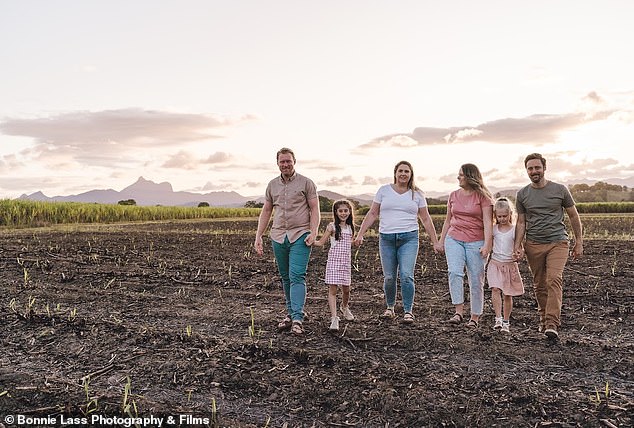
column 34, row 183
column 209, row 186
column 320, row 164
column 348, row 180
column 559, row 163
column 182, row 160
column 367, row 180
column 9, row 163
column 449, row 178
column 593, row 98
column 564, row 167
column 188, row 161
column 104, row 136
column 536, row 129
column 218, row 157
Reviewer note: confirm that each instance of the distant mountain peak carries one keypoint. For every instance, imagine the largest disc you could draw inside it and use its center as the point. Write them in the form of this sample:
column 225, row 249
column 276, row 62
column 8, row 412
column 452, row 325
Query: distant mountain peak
column 143, row 185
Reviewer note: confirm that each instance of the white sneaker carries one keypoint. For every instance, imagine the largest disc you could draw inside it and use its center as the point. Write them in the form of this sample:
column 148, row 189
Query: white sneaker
column 506, row 327
column 347, row 315
column 334, row 324
column 498, row 323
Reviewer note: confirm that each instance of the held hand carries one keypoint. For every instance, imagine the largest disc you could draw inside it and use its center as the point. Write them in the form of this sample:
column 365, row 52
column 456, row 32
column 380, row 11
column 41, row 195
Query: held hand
column 439, row 248
column 358, row 241
column 518, row 254
column 484, row 251
column 309, row 239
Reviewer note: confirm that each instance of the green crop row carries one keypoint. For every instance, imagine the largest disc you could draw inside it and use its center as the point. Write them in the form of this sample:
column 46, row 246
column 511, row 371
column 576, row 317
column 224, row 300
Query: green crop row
column 23, row 213
column 583, row 207
column 605, row 207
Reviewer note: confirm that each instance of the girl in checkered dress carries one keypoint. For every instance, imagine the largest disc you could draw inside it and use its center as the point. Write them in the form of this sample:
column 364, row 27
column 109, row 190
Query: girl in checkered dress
column 338, row 266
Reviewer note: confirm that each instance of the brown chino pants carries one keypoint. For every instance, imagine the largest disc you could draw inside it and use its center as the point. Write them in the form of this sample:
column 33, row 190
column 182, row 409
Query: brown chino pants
column 547, row 262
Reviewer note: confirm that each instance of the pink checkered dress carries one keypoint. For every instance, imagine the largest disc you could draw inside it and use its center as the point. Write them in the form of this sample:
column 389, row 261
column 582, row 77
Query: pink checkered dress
column 339, row 259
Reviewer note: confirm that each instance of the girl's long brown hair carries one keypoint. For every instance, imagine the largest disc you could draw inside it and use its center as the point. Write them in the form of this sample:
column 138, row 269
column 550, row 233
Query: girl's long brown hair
column 349, row 220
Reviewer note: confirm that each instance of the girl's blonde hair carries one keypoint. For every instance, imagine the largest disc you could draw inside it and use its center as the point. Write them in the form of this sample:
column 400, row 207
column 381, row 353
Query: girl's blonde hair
column 504, row 203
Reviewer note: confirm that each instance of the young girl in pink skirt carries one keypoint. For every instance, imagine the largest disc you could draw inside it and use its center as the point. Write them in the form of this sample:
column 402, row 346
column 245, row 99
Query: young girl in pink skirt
column 503, row 273
column 338, row 266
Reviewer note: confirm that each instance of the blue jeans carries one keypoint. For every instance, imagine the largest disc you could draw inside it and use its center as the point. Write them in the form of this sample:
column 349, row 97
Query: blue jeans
column 292, row 262
column 398, row 255
column 459, row 254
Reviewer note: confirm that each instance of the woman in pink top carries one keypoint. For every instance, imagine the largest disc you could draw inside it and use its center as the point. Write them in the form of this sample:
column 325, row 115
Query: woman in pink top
column 467, row 239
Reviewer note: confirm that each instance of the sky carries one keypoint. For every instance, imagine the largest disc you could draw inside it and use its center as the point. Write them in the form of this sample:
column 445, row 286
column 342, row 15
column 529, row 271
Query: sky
column 202, row 93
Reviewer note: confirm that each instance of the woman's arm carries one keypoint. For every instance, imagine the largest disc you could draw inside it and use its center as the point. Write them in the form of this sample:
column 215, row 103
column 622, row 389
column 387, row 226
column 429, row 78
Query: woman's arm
column 445, row 228
column 487, row 219
column 428, row 224
column 368, row 221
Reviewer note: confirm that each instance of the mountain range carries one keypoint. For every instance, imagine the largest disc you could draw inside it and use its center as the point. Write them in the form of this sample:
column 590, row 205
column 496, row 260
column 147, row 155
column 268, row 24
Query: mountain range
column 147, row 192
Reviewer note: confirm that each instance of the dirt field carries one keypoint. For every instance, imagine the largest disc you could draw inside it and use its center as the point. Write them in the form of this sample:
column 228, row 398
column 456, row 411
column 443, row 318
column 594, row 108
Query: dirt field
column 179, row 319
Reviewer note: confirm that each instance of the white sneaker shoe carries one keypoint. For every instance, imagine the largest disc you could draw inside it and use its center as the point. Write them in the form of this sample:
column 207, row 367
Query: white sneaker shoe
column 498, row 323
column 506, row 327
column 334, row 324
column 347, row 315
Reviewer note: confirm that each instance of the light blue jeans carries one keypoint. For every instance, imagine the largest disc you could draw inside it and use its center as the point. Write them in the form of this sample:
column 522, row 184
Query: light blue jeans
column 292, row 262
column 459, row 254
column 398, row 256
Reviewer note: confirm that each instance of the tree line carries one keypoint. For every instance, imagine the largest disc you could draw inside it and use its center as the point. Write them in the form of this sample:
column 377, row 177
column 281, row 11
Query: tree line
column 601, row 192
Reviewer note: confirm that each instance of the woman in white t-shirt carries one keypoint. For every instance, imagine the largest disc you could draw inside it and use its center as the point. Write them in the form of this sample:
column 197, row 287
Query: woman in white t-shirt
column 399, row 206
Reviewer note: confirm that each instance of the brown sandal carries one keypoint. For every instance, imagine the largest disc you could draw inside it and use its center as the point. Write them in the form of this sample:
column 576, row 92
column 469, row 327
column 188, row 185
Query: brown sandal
column 388, row 314
column 297, row 328
column 455, row 319
column 472, row 324
column 285, row 324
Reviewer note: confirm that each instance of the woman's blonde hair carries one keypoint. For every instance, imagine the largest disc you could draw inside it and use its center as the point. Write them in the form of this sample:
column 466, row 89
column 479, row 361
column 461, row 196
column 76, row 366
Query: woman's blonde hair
column 410, row 184
column 475, row 180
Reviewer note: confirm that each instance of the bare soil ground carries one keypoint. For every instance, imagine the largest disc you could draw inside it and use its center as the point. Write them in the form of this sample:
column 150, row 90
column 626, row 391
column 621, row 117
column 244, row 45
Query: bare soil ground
column 166, row 309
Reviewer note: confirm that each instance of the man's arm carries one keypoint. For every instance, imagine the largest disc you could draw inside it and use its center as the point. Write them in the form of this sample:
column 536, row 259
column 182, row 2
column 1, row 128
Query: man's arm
column 263, row 222
column 575, row 222
column 315, row 219
column 520, row 231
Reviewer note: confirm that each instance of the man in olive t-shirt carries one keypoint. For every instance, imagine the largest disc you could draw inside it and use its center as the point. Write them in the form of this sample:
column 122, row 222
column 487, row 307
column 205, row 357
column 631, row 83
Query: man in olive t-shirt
column 540, row 209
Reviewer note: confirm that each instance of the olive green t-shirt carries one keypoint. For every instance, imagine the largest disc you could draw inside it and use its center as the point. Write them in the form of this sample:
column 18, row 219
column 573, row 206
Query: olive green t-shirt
column 544, row 210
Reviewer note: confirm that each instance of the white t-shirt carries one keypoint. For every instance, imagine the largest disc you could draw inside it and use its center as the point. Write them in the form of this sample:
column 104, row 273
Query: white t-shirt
column 503, row 244
column 398, row 213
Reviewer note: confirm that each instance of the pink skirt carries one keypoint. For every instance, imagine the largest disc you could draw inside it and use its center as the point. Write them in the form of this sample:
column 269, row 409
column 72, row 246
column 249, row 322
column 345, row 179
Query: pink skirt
column 506, row 277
